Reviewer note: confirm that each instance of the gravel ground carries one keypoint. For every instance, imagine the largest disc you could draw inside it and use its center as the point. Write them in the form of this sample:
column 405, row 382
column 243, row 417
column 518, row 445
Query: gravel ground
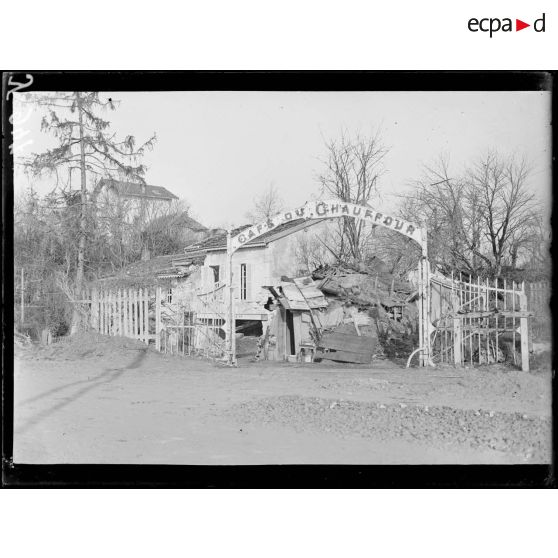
column 94, row 399
column 441, row 426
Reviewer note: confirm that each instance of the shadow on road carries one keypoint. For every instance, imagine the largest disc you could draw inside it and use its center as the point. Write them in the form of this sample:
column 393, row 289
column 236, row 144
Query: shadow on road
column 106, row 377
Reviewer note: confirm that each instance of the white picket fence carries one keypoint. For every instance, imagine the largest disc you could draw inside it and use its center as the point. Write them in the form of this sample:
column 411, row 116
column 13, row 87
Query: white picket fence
column 137, row 313
column 134, row 313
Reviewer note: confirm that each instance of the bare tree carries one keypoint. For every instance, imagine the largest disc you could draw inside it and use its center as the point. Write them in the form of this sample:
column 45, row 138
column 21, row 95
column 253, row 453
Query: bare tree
column 171, row 230
column 508, row 210
column 353, row 167
column 312, row 249
column 478, row 221
column 443, row 204
column 267, row 204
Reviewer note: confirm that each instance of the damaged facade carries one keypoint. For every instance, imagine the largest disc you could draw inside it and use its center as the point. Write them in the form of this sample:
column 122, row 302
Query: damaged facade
column 337, row 313
column 341, row 314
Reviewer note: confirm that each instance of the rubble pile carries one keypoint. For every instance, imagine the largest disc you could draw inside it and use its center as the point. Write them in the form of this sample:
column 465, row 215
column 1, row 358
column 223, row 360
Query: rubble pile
column 342, row 314
column 372, row 303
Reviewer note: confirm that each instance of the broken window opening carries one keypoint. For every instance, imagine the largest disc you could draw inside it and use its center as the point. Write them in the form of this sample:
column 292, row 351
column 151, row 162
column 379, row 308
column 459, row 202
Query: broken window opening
column 216, row 276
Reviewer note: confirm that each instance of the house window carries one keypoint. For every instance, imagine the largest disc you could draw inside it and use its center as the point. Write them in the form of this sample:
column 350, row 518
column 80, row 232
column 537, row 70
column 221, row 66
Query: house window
column 243, row 282
column 169, row 296
column 215, row 269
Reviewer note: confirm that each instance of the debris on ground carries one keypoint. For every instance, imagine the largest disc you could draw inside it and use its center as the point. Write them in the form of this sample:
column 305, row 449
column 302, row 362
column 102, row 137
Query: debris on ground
column 372, row 306
column 340, row 313
column 440, row 426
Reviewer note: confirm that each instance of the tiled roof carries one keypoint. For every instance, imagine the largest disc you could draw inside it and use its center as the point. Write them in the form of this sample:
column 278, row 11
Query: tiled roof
column 144, row 272
column 136, row 190
column 219, row 241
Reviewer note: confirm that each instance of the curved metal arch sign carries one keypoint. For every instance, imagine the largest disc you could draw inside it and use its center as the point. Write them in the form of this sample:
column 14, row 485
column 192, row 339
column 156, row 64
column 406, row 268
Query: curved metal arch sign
column 327, row 209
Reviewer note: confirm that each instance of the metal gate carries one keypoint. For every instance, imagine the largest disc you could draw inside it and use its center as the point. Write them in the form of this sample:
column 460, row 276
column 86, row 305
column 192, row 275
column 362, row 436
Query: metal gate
column 479, row 321
column 195, row 327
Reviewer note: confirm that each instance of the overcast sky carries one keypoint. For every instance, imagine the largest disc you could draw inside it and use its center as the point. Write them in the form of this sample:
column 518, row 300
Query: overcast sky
column 218, row 150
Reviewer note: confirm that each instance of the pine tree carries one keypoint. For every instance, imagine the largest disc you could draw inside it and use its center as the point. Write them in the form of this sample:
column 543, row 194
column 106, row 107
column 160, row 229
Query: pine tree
column 86, row 145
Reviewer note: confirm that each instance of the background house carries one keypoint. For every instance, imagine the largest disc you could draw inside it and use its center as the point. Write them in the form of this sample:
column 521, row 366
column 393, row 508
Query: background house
column 143, row 201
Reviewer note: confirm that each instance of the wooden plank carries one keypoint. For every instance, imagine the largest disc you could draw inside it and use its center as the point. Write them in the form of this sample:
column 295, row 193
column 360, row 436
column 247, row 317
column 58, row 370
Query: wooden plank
column 131, row 320
column 502, row 314
column 107, row 313
column 146, row 317
column 134, row 320
column 119, row 311
column 114, row 313
column 158, row 318
column 135, row 313
column 282, row 337
column 102, row 312
column 296, row 329
column 346, row 342
column 524, row 325
column 487, row 322
column 481, row 306
column 292, row 292
column 95, row 310
column 99, row 311
column 124, row 313
column 140, row 304
column 514, row 324
column 130, row 314
column 345, row 356
column 457, row 336
column 112, row 323
column 496, row 324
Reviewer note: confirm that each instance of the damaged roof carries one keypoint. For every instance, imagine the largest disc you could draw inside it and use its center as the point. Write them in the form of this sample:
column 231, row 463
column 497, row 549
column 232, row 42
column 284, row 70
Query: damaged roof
column 138, row 190
column 300, row 294
column 218, row 242
column 145, row 272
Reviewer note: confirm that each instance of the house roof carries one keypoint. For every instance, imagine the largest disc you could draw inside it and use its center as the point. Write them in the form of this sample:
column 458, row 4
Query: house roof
column 137, row 190
column 145, row 272
column 218, row 242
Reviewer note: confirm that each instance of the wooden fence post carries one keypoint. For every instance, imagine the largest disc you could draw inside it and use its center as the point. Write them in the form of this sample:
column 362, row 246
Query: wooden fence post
column 119, row 311
column 457, row 340
column 101, row 312
column 95, row 309
column 107, row 313
column 524, row 328
column 124, row 313
column 158, row 318
column 128, row 313
column 140, row 300
column 135, row 306
column 146, row 317
column 110, row 314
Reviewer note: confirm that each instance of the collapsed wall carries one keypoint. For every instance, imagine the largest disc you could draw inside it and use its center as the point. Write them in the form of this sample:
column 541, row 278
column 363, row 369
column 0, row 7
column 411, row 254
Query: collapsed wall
column 341, row 314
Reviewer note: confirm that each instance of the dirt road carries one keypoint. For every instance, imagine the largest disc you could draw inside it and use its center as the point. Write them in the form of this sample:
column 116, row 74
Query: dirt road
column 122, row 404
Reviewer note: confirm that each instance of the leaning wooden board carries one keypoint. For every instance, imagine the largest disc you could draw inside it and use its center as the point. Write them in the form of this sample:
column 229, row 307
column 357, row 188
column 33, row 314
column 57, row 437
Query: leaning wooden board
column 344, row 356
column 346, row 342
column 344, row 347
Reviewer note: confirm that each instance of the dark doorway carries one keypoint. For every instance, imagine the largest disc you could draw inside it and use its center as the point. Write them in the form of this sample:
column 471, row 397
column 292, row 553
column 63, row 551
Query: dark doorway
column 290, row 341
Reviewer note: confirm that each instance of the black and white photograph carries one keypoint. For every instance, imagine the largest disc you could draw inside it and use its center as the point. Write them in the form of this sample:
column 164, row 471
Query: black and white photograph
column 281, row 277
